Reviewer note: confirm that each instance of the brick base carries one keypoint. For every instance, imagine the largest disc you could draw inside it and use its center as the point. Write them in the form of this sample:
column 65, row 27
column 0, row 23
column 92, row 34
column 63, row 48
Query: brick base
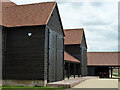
column 30, row 83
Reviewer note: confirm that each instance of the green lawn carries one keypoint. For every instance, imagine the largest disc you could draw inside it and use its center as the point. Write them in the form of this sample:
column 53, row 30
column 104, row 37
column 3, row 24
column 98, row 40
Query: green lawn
column 30, row 88
column 116, row 75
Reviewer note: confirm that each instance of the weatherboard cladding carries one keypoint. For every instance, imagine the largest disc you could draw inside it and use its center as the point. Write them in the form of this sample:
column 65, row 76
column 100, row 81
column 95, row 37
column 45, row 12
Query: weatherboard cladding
column 56, row 46
column 1, row 53
column 55, row 56
column 53, row 21
column 74, row 50
column 103, row 58
column 24, row 55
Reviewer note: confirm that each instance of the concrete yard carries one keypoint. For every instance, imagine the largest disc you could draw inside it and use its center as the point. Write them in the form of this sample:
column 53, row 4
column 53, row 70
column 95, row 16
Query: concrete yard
column 70, row 82
column 98, row 83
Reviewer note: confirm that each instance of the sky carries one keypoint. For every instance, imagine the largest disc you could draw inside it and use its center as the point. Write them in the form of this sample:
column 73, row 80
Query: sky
column 98, row 18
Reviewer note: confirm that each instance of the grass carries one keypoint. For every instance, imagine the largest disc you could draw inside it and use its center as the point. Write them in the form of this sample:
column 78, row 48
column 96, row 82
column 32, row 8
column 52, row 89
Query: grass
column 22, row 87
column 114, row 74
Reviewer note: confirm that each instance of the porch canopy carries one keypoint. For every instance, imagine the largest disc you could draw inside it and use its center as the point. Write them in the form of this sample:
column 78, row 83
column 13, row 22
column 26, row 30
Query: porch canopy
column 70, row 58
column 72, row 65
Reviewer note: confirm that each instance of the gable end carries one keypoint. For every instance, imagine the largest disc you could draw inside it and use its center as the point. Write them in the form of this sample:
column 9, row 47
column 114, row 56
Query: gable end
column 54, row 22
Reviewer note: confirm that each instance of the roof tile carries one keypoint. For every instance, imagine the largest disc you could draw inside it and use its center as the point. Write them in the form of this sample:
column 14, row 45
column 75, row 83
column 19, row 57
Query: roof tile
column 73, row 36
column 103, row 58
column 27, row 15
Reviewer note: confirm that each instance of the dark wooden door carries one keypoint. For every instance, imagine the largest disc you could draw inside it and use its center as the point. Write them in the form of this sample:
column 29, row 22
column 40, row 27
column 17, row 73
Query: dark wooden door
column 56, row 58
column 60, row 58
column 52, row 56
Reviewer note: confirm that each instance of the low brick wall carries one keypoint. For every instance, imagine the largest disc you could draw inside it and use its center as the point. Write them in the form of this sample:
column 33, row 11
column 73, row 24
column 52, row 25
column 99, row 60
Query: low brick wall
column 30, row 83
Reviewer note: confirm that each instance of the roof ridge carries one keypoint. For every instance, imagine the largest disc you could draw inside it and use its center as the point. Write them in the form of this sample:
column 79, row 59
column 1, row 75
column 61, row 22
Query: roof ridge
column 31, row 4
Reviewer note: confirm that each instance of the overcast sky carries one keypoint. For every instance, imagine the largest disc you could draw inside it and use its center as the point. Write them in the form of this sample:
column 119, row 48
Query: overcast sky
column 99, row 20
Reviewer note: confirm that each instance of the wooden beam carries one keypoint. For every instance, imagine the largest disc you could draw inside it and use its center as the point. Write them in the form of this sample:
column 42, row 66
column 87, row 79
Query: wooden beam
column 79, row 70
column 111, row 72
column 68, row 70
column 74, row 69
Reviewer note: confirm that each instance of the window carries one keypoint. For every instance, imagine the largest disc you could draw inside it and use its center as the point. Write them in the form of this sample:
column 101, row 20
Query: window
column 29, row 34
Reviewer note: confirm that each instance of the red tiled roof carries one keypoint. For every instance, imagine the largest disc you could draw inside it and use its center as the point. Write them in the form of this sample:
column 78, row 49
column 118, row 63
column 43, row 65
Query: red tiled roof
column 68, row 57
column 3, row 4
column 7, row 3
column 73, row 36
column 103, row 58
column 28, row 15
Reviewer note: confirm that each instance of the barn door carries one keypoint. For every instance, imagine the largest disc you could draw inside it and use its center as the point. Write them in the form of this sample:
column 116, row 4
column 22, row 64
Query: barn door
column 56, row 58
column 60, row 58
column 52, row 56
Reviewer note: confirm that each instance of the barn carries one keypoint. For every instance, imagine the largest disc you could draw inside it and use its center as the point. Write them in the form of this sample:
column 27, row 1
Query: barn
column 76, row 46
column 32, row 44
column 102, row 63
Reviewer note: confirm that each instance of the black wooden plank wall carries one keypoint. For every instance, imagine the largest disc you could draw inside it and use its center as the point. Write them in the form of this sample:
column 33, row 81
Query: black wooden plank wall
column 83, row 45
column 60, row 58
column 56, row 42
column 73, row 50
column 91, row 71
column 83, row 58
column 52, row 56
column 54, row 22
column 82, row 62
column 24, row 55
column 86, row 70
column 0, row 52
column 46, row 54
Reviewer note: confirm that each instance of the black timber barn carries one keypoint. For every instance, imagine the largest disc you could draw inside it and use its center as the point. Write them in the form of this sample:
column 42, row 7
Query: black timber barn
column 76, row 46
column 32, row 44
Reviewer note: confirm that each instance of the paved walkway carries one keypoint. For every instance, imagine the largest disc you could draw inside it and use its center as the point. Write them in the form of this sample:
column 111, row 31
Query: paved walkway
column 69, row 82
column 98, row 83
